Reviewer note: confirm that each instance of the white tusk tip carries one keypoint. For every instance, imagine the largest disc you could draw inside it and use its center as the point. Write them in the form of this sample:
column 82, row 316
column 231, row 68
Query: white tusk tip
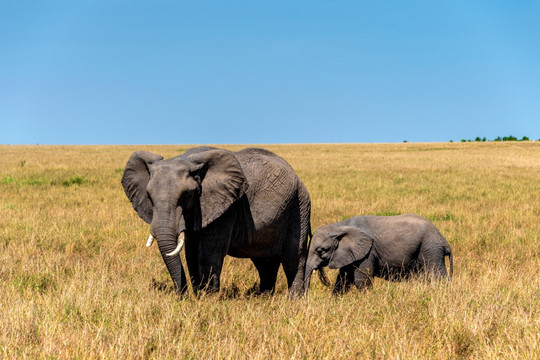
column 179, row 246
column 150, row 241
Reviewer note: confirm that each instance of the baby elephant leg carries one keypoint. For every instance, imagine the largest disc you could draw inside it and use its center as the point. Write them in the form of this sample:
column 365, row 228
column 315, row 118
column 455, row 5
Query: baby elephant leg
column 363, row 277
column 344, row 280
column 431, row 261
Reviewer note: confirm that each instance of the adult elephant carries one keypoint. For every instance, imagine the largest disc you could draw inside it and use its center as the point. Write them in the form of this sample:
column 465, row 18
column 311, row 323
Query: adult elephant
column 247, row 204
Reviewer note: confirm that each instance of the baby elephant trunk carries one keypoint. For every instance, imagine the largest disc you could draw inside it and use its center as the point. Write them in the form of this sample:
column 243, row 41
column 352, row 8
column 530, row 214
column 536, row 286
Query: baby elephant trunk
column 321, row 273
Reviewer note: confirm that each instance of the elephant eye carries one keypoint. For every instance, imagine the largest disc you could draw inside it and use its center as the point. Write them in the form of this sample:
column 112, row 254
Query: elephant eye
column 319, row 251
column 185, row 196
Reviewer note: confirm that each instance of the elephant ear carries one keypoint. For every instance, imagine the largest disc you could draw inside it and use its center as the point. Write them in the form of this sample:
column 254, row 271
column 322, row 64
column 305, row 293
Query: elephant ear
column 222, row 182
column 135, row 179
column 353, row 245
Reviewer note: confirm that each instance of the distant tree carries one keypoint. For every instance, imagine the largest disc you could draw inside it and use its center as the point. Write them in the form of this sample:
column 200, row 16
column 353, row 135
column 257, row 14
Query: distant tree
column 498, row 138
column 404, row 141
column 451, row 140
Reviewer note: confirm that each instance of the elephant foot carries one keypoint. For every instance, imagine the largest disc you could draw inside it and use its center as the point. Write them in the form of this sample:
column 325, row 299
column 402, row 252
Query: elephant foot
column 257, row 290
column 165, row 286
column 232, row 292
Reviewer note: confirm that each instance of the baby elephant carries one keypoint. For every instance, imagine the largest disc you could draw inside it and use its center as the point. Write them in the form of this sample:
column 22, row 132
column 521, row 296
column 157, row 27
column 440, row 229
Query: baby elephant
column 390, row 247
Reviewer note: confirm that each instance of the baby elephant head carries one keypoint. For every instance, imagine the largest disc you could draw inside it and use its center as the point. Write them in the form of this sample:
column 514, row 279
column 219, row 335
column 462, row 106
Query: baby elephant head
column 336, row 246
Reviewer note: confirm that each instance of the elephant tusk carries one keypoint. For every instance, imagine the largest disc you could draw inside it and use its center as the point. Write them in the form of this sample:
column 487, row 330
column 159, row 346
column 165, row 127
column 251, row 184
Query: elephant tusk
column 150, row 241
column 179, row 246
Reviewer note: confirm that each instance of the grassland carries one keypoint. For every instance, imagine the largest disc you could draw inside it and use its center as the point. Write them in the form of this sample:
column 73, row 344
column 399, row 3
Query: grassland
column 76, row 280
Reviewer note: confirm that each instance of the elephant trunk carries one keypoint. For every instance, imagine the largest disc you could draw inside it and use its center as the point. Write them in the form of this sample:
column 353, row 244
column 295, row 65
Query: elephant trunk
column 323, row 277
column 311, row 266
column 167, row 244
column 168, row 229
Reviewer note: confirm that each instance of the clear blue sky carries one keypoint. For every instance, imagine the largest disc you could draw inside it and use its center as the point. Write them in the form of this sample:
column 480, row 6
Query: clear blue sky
column 267, row 71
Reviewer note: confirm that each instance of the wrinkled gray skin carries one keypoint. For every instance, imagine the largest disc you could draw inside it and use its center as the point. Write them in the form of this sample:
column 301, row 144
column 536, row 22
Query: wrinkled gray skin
column 247, row 204
column 389, row 247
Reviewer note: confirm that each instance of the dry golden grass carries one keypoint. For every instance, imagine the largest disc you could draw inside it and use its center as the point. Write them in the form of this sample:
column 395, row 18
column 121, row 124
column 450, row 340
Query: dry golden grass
column 76, row 280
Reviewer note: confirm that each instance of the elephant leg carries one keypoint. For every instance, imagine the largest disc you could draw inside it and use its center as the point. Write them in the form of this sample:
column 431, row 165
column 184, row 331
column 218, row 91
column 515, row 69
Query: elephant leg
column 344, row 280
column 210, row 265
column 294, row 267
column 363, row 274
column 191, row 247
column 210, row 247
column 294, row 251
column 268, row 270
column 292, row 273
column 213, row 244
column 432, row 262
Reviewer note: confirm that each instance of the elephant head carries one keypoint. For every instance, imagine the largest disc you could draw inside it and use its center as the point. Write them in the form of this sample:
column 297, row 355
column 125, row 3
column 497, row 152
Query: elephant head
column 186, row 192
column 336, row 247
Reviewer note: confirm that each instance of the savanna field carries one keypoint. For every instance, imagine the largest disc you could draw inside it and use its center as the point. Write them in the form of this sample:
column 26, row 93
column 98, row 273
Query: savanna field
column 76, row 280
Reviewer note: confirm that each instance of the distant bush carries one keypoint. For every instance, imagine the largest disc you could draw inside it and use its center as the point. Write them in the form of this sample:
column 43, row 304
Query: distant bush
column 510, row 138
column 498, row 138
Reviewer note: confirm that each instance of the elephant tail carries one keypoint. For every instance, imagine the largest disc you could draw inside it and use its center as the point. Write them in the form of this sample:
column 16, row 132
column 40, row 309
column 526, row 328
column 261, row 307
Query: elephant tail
column 448, row 252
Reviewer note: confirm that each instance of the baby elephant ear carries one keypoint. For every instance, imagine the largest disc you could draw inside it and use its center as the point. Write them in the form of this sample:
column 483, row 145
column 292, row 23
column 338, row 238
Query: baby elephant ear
column 353, row 245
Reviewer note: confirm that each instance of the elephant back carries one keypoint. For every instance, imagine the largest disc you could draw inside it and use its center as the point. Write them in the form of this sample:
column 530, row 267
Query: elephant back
column 263, row 153
column 272, row 183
